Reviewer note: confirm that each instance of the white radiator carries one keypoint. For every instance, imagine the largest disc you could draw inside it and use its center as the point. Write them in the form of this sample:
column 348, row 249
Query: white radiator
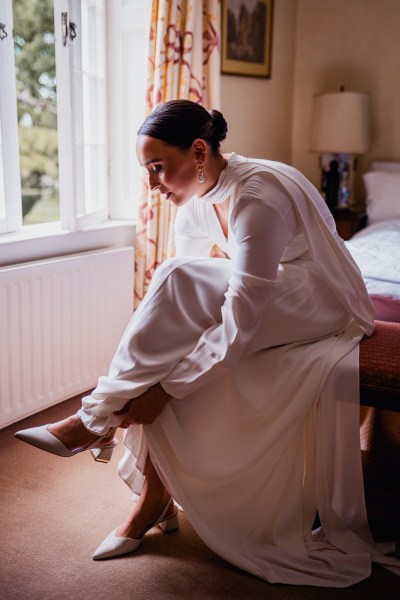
column 60, row 323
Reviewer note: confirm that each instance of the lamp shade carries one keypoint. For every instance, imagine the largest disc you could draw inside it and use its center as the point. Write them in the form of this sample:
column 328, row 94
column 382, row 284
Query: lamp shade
column 340, row 123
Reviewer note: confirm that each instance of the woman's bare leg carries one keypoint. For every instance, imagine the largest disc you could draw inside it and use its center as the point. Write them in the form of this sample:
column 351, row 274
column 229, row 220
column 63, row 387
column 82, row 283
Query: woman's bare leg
column 74, row 435
column 148, row 508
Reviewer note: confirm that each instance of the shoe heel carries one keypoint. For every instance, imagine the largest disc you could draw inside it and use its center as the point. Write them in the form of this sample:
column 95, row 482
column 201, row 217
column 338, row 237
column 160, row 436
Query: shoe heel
column 170, row 524
column 102, row 454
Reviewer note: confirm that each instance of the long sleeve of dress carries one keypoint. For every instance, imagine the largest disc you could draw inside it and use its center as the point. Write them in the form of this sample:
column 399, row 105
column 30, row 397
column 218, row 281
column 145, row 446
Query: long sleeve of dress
column 261, row 234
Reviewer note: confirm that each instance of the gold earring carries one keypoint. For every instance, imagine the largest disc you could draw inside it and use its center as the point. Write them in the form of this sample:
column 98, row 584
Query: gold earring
column 202, row 177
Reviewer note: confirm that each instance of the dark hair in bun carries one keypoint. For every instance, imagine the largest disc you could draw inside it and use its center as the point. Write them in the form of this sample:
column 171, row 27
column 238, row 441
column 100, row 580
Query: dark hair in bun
column 180, row 122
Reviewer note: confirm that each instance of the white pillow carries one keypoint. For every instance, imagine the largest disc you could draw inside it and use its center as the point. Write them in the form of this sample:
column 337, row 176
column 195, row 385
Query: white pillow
column 383, row 196
column 386, row 166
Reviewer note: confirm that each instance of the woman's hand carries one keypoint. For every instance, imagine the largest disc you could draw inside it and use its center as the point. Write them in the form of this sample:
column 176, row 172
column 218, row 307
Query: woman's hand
column 145, row 408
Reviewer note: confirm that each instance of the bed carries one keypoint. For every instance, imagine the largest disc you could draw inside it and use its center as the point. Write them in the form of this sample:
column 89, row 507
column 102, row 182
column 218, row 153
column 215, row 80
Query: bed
column 376, row 250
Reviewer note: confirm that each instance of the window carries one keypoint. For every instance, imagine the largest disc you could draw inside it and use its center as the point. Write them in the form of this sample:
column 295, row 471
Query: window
column 86, row 171
column 2, row 194
column 34, row 51
column 81, row 77
column 10, row 187
column 127, row 26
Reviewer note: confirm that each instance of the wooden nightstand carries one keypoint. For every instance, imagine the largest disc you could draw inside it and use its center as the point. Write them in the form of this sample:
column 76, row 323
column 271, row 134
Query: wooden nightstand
column 348, row 222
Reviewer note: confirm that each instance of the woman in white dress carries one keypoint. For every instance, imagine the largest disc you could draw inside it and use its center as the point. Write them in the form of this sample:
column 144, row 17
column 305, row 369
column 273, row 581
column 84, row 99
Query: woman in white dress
column 237, row 378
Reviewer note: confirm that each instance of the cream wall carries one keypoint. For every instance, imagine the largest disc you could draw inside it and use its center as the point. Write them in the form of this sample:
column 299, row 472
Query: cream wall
column 259, row 111
column 319, row 45
column 355, row 43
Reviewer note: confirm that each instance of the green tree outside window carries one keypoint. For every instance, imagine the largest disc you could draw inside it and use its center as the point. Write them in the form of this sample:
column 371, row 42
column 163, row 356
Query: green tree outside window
column 34, row 47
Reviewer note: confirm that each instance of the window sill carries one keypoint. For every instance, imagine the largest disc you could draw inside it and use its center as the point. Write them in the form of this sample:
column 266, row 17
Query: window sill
column 26, row 246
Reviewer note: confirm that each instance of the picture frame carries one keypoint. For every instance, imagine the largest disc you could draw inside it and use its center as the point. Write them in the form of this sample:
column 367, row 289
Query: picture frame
column 246, row 45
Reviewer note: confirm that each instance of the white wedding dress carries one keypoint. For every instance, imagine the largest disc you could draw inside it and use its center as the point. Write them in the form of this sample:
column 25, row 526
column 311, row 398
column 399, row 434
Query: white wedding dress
column 260, row 355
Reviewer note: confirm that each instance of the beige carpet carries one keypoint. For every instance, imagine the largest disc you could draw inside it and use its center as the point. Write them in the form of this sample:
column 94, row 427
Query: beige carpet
column 55, row 511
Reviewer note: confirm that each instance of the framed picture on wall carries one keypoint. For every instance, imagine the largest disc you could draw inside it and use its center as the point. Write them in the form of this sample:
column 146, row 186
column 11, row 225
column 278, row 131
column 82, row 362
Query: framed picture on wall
column 246, row 37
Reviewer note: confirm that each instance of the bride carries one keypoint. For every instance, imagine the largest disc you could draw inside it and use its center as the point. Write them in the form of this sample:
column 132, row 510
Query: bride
column 237, row 378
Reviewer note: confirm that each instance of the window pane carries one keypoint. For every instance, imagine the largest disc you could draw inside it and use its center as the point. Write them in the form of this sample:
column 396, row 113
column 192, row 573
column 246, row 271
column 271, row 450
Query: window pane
column 94, row 106
column 2, row 195
column 34, row 47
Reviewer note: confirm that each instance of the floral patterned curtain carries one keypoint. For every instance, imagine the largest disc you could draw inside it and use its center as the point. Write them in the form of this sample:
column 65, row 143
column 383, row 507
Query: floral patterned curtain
column 184, row 62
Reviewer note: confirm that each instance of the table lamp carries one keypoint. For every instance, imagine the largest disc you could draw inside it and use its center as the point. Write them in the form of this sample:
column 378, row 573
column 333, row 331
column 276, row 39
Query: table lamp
column 340, row 130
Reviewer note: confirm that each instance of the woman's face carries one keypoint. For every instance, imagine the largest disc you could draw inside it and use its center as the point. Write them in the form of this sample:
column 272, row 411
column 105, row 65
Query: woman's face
column 171, row 170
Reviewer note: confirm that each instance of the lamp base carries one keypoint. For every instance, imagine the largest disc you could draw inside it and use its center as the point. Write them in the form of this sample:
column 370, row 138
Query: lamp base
column 337, row 180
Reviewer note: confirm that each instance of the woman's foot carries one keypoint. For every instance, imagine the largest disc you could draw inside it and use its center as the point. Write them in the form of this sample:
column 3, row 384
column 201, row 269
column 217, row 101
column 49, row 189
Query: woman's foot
column 145, row 515
column 149, row 507
column 116, row 544
column 74, row 435
column 154, row 507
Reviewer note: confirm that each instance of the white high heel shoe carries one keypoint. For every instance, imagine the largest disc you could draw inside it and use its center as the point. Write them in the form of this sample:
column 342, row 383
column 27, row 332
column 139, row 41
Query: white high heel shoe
column 40, row 437
column 113, row 545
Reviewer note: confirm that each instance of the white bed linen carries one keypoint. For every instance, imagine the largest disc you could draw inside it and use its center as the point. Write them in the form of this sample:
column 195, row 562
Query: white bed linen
column 376, row 250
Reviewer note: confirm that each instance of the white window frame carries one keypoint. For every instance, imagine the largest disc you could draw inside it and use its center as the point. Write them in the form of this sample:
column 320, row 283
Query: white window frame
column 128, row 36
column 127, row 32
column 71, row 122
column 9, row 125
